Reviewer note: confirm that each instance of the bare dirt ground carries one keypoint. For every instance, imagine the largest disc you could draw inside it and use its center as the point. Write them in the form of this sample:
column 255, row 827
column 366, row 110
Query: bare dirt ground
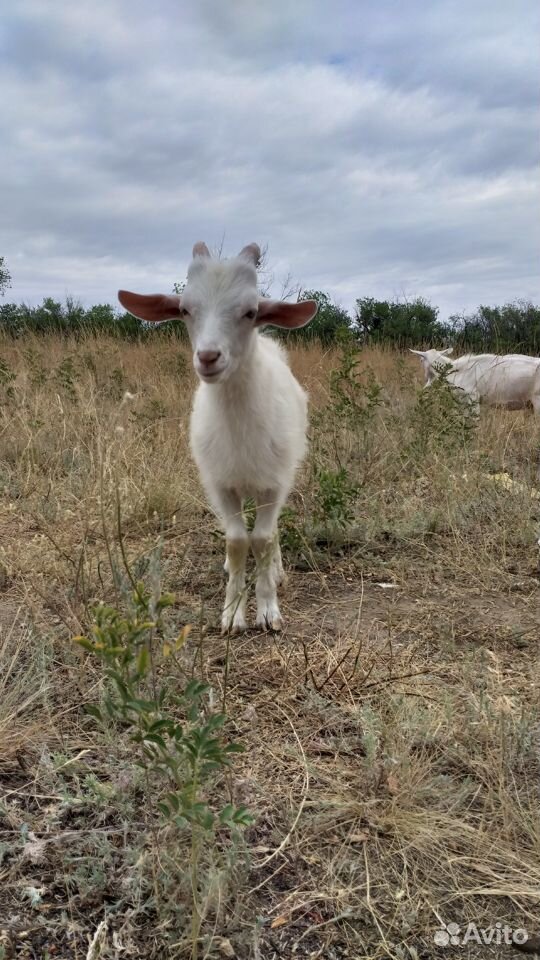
column 391, row 732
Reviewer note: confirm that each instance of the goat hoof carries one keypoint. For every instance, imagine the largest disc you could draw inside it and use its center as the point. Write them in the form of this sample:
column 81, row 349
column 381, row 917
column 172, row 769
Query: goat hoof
column 238, row 625
column 270, row 620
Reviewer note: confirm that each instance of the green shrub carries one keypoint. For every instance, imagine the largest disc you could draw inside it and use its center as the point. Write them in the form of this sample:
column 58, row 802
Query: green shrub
column 177, row 737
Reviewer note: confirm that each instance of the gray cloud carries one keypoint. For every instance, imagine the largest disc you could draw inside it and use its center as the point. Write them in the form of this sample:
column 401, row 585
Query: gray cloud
column 377, row 150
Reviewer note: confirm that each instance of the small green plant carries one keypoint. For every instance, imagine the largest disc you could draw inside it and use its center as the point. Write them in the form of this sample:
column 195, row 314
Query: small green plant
column 355, row 394
column 37, row 373
column 442, row 417
column 177, row 737
column 335, row 495
column 343, row 430
column 342, row 441
column 291, row 531
column 66, row 376
column 371, row 733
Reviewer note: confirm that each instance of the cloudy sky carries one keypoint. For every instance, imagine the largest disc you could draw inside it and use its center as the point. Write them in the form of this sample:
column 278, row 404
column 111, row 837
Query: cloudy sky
column 381, row 148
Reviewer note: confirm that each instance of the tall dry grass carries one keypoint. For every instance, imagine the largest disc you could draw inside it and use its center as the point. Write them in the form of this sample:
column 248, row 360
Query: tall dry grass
column 392, row 733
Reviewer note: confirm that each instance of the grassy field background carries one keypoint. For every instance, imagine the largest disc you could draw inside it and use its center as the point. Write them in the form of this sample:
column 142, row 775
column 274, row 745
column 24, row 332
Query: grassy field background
column 391, row 732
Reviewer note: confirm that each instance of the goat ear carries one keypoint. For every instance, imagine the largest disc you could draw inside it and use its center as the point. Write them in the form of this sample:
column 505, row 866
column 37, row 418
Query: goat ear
column 200, row 250
column 419, row 353
column 447, row 351
column 154, row 308
column 290, row 316
column 252, row 252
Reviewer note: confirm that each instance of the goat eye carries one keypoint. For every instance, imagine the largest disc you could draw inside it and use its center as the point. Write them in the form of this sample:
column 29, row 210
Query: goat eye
column 250, row 315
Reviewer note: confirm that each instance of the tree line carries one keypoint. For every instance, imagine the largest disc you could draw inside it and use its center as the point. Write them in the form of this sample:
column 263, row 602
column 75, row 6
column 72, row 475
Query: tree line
column 511, row 328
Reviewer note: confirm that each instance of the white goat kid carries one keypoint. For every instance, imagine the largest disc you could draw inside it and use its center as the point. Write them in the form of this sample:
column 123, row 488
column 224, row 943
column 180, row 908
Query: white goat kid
column 249, row 417
column 511, row 380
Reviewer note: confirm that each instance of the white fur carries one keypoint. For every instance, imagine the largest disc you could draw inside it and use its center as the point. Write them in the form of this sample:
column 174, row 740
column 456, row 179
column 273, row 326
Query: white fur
column 511, row 380
column 249, row 418
column 248, row 436
column 433, row 361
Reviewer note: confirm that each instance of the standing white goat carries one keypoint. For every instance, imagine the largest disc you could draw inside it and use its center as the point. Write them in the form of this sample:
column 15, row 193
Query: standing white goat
column 249, row 418
column 511, row 380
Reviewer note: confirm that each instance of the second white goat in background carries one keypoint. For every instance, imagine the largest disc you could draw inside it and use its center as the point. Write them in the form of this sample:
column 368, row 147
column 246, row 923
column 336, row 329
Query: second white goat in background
column 249, row 418
column 511, row 380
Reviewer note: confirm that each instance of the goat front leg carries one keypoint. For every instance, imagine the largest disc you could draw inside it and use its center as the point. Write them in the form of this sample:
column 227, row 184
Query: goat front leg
column 237, row 545
column 267, row 553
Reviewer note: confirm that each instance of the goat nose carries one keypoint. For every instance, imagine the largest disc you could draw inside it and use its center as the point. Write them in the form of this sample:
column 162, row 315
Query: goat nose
column 208, row 356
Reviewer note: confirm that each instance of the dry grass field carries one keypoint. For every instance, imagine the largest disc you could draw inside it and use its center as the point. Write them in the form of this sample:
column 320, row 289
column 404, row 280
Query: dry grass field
column 391, row 732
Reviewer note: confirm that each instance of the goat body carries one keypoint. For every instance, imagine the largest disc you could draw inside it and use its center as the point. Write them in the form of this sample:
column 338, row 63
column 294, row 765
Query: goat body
column 250, row 431
column 511, row 380
column 248, row 436
column 249, row 418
